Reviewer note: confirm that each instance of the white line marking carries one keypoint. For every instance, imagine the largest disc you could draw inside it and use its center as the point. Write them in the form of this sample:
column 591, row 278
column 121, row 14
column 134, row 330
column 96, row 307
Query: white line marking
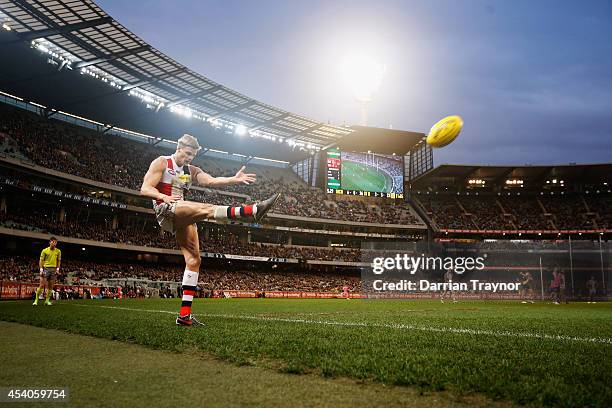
column 397, row 326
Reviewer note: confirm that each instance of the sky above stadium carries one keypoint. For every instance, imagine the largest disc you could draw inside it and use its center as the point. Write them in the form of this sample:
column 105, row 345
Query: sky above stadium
column 532, row 80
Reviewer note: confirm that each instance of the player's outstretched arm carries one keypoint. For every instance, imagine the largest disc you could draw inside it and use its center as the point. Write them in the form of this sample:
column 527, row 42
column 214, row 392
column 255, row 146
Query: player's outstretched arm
column 152, row 178
column 204, row 179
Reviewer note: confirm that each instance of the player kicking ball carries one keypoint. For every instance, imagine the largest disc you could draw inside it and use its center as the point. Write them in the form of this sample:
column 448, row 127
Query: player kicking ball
column 49, row 265
column 166, row 181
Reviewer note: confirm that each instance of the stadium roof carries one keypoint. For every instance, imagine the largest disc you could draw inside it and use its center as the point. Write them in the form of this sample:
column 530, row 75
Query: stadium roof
column 459, row 176
column 78, row 36
column 379, row 140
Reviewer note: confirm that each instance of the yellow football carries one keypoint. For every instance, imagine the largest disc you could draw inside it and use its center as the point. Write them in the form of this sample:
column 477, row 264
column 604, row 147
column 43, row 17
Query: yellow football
column 445, row 131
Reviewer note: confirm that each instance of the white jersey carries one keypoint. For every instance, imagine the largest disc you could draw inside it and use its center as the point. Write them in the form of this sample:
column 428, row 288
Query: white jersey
column 175, row 180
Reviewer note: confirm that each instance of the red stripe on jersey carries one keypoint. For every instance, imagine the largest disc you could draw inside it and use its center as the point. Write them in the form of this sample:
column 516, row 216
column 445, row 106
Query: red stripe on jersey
column 164, row 188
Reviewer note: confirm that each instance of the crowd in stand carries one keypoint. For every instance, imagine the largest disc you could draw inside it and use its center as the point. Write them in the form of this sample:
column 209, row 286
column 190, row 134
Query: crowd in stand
column 115, row 160
column 24, row 269
column 77, row 151
column 303, row 201
column 526, row 212
column 91, row 230
column 226, row 243
column 121, row 162
column 278, row 281
column 266, row 278
column 214, row 198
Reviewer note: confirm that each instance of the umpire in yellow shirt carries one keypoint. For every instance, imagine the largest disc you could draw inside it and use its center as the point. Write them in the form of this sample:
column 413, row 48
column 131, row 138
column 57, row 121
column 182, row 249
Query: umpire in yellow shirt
column 50, row 259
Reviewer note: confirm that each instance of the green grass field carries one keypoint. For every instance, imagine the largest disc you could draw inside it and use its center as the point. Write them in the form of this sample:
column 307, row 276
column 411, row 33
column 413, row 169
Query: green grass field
column 357, row 176
column 527, row 354
column 109, row 373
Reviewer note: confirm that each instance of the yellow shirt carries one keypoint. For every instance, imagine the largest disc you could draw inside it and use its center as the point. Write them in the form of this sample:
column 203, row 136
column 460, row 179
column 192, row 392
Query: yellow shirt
column 50, row 258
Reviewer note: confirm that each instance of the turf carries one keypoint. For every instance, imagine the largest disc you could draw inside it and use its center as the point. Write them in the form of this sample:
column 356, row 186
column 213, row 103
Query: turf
column 357, row 176
column 115, row 374
column 538, row 354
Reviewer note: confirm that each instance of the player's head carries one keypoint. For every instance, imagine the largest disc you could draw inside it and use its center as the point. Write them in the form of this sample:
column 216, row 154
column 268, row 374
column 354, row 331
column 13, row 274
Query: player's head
column 52, row 242
column 187, row 148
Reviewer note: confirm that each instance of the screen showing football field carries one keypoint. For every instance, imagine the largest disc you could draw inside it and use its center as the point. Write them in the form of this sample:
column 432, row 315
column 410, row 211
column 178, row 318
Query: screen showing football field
column 367, row 174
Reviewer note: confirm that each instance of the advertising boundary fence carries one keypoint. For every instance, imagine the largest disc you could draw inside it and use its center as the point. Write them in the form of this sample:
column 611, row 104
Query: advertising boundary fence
column 10, row 290
column 24, row 290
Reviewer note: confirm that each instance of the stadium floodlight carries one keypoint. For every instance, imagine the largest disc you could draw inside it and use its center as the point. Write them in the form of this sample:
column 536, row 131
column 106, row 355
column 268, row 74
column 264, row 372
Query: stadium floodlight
column 215, row 123
column 364, row 76
column 218, row 151
column 42, row 48
column 241, row 130
column 6, row 27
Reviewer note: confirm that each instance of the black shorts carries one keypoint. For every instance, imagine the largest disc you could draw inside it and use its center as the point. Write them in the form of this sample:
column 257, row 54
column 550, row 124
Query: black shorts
column 526, row 286
column 49, row 273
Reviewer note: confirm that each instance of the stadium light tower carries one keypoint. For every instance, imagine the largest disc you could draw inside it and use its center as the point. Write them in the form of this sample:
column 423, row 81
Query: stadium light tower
column 364, row 76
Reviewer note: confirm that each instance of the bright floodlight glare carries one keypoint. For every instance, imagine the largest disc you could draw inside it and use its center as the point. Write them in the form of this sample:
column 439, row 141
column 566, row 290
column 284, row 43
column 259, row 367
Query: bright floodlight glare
column 6, row 27
column 364, row 76
column 241, row 130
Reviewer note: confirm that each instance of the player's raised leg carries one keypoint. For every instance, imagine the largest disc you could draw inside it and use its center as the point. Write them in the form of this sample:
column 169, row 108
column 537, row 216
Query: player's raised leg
column 189, row 212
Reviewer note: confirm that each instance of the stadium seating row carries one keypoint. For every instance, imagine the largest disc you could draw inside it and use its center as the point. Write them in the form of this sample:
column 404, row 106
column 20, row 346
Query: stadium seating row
column 121, row 162
column 230, row 278
column 525, row 212
column 149, row 236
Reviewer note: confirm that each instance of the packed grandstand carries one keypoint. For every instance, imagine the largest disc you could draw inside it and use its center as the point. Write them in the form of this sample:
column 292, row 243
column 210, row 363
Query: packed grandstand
column 82, row 186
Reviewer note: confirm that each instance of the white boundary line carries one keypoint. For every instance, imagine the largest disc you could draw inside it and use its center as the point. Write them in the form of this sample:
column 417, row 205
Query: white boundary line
column 397, row 326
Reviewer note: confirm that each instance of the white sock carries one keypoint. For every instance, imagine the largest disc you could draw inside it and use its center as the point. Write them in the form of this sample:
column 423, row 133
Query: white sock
column 220, row 212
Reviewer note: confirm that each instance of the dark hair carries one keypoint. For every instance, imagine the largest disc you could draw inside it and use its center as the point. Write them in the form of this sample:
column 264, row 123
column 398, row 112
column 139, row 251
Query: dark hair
column 53, row 239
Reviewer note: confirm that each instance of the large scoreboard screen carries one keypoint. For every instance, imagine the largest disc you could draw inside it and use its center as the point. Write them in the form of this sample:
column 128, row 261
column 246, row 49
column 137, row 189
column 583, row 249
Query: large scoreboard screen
column 365, row 174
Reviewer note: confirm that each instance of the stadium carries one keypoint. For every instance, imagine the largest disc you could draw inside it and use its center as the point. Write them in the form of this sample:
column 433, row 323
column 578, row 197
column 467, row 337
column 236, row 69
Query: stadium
column 374, row 276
